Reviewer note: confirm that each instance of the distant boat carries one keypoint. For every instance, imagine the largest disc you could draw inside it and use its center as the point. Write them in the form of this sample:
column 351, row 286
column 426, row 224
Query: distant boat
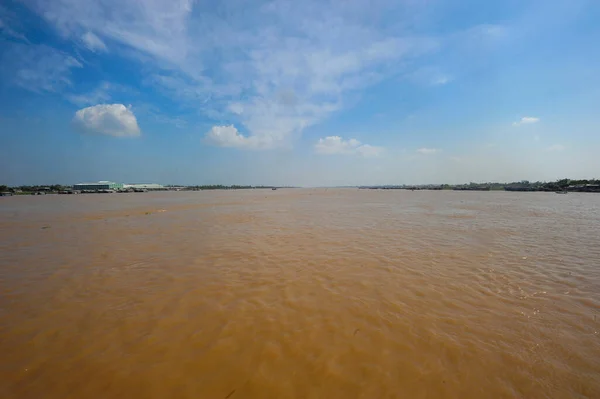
column 274, row 188
column 562, row 192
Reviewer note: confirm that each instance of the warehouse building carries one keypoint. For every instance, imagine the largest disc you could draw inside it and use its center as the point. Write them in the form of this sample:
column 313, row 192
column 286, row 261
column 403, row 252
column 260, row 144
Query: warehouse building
column 148, row 187
column 101, row 185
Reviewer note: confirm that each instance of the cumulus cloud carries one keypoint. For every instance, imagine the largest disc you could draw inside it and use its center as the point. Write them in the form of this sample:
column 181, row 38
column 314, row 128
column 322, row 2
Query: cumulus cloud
column 336, row 145
column 526, row 120
column 428, row 151
column 93, row 42
column 115, row 120
column 229, row 136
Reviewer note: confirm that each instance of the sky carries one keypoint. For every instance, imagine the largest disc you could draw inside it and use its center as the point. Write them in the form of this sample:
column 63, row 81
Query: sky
column 305, row 93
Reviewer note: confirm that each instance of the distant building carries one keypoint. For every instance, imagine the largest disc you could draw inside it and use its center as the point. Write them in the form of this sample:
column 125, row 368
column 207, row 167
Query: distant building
column 149, row 186
column 101, row 185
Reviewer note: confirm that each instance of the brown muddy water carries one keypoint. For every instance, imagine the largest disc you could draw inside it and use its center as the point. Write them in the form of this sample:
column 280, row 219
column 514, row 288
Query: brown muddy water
column 301, row 293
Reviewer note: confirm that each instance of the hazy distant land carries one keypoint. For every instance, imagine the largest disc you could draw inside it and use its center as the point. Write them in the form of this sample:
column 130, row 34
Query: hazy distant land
column 581, row 185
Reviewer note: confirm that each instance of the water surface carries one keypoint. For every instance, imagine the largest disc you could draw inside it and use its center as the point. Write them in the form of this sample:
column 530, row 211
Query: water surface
column 300, row 293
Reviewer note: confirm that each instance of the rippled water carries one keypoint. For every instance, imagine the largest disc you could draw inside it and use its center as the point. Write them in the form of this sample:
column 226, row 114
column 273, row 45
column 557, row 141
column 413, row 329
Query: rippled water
column 300, row 294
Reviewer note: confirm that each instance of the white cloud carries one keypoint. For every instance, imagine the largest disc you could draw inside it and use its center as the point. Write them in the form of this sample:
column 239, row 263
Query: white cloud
column 155, row 27
column 440, row 80
column 37, row 68
column 296, row 83
column 488, row 31
column 229, row 136
column 99, row 95
column 93, row 42
column 367, row 150
column 526, row 120
column 9, row 25
column 430, row 76
column 428, row 151
column 555, row 147
column 10, row 32
column 115, row 120
column 273, row 70
column 336, row 145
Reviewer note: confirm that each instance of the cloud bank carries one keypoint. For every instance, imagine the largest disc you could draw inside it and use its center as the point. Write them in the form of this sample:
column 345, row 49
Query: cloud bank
column 115, row 120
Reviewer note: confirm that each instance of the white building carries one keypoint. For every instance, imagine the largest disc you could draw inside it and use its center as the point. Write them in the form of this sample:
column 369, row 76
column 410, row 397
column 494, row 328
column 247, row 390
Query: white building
column 149, row 186
column 101, row 185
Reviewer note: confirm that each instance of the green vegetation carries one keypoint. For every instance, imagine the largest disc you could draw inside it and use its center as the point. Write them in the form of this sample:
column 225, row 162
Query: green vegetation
column 33, row 189
column 583, row 185
column 591, row 185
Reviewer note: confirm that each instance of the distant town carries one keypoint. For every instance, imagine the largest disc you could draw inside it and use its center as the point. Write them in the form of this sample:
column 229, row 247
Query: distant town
column 107, row 187
column 562, row 185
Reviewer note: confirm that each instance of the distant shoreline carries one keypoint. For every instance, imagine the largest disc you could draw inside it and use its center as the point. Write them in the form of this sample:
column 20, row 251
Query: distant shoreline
column 563, row 185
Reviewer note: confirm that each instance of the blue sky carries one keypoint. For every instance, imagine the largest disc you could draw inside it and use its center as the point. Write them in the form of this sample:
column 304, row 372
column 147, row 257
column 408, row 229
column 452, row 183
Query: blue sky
column 311, row 93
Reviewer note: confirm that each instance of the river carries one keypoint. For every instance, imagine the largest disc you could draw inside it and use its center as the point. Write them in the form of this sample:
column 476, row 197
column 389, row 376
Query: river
column 300, row 293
